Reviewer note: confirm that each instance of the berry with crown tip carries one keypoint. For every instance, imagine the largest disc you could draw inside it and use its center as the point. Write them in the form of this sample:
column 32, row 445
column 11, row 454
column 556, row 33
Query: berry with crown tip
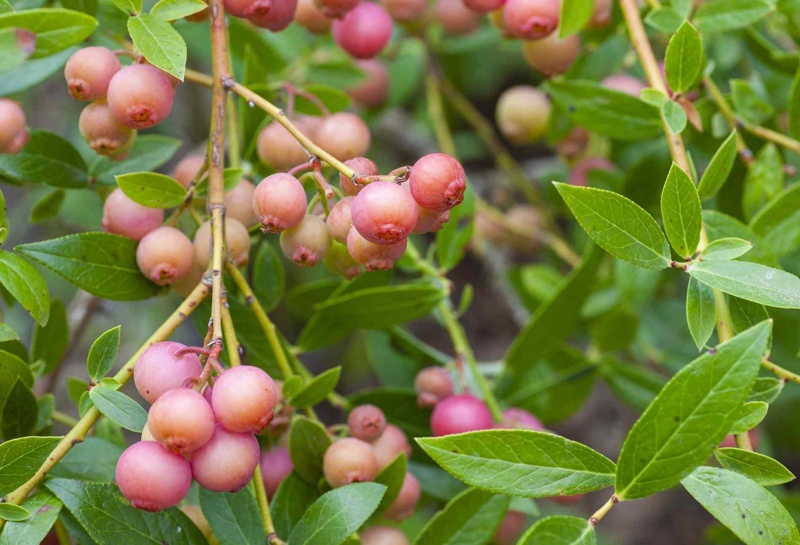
column 151, row 477
column 344, row 135
column 437, row 182
column 279, row 16
column 276, row 465
column 181, row 420
column 124, row 216
column 160, row 369
column 89, row 71
column 374, row 257
column 244, row 399
column 164, row 255
column 12, row 125
column 531, row 19
column 140, row 96
column 349, row 461
column 384, row 213
column 363, row 166
column 552, row 55
column 247, row 8
column 403, row 506
column 459, row 414
column 227, row 462
column 310, row 17
column 432, row 385
column 523, row 114
column 280, row 202
column 237, row 243
column 306, row 243
column 101, row 130
column 366, row 422
column 363, row 32
column 390, row 445
column 335, row 9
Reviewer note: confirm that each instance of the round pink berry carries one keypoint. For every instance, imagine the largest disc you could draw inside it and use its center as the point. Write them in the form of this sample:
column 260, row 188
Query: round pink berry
column 276, row 465
column 279, row 16
column 460, row 414
column 516, row 418
column 340, row 220
column 438, row 182
column 244, row 399
column 89, row 71
column 531, row 19
column 280, row 202
column 384, row 213
column 160, row 369
column 364, row 31
column 164, row 255
column 140, row 96
column 375, row 257
column 181, row 420
column 124, row 216
column 227, row 462
column 152, row 478
column 308, row 242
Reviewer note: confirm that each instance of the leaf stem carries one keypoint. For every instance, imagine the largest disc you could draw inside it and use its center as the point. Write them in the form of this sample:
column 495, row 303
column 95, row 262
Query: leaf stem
column 600, row 513
column 780, row 372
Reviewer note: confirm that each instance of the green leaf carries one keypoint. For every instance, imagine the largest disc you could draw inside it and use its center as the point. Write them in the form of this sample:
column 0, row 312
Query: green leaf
column 452, row 239
column 684, row 60
column 664, row 19
column 234, row 518
column 32, row 72
column 764, row 180
column 725, row 15
column 5, row 7
column 129, row 7
column 674, row 115
column 750, row 416
column 269, row 277
column 337, row 514
column 746, row 508
column 44, row 509
column 317, row 389
column 308, row 441
column 19, row 411
column 26, row 285
column 700, row 312
column 766, row 389
column 745, row 314
column 110, row 520
column 681, row 212
column 691, row 416
column 471, row 518
column 335, row 100
column 436, row 482
column 13, row 48
column 11, row 512
column 762, row 469
column 119, row 408
column 574, row 16
column 169, row 10
column 48, row 207
column 523, row 463
column 778, row 222
column 620, row 226
column 719, row 225
column 392, row 477
column 161, row 45
column 374, row 308
column 605, row 111
column 46, row 158
column 560, row 530
column 293, row 498
column 793, row 110
column 49, row 343
column 94, row 459
column 750, row 281
column 100, row 263
column 152, row 189
column 55, row 28
column 557, row 317
column 718, row 169
column 635, row 385
column 7, row 334
column 103, row 354
column 399, row 406
column 148, row 153
column 748, row 104
column 725, row 249
column 21, row 458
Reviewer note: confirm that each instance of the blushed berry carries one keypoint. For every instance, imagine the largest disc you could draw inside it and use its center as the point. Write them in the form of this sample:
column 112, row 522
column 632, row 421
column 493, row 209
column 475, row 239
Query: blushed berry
column 89, row 71
column 181, row 420
column 374, row 257
column 164, row 255
column 280, row 202
column 101, row 130
column 460, row 414
column 160, row 369
column 363, row 31
column 152, row 478
column 349, row 461
column 437, row 182
column 227, row 462
column 244, row 399
column 308, row 242
column 124, row 216
column 384, row 213
column 140, row 96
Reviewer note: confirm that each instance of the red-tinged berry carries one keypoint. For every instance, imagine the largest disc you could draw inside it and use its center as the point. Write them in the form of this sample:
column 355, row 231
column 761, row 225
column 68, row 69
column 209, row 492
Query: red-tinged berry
column 181, row 420
column 237, row 243
column 89, row 71
column 164, row 255
column 580, row 172
column 188, row 168
column 405, row 11
column 625, row 83
column 484, row 6
column 340, row 220
column 432, row 385
column 390, row 445
column 247, row 8
column 531, row 19
column 456, row 18
column 344, row 135
column 383, row 535
column 244, row 399
column 552, row 55
column 374, row 257
column 279, row 149
column 101, row 130
column 349, row 461
column 510, row 529
column 335, row 9
column 280, row 202
column 279, row 16
column 227, row 462
column 12, row 124
column 310, row 17
column 384, row 213
column 363, row 166
column 363, row 32
column 151, row 477
column 276, row 464
column 406, row 501
column 366, row 422
column 123, row 216
column 308, row 242
column 140, row 96
column 373, row 90
column 339, row 261
column 160, row 369
column 568, row 500
column 519, row 419
column 239, row 203
column 460, row 414
column 523, row 114
column 437, row 182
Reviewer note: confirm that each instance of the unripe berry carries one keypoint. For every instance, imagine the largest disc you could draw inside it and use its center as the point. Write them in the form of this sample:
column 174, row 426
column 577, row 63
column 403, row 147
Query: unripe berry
column 460, row 414
column 164, row 255
column 247, row 8
column 101, row 130
column 383, row 535
column 552, row 55
column 406, row 501
column 366, row 422
column 160, row 369
column 510, row 529
column 308, row 242
column 363, row 166
column 181, row 420
column 279, row 149
column 311, row 18
column 519, row 419
column 384, row 213
column 339, row 261
column 375, row 257
column 276, row 464
column 373, row 90
column 280, row 202
column 188, row 168
column 336, row 8
column 456, row 18
column 437, row 182
column 531, row 19
column 432, row 385
column 340, row 220
column 430, row 221
column 89, row 71
column 227, row 462
column 523, row 114
column 244, row 399
column 349, row 461
column 12, row 123
column 239, row 203
column 124, row 216
column 140, row 96
column 405, row 11
column 601, row 14
column 625, row 83
column 279, row 16
column 580, row 172
column 237, row 243
column 484, row 6
column 344, row 135
column 364, row 31
column 390, row 445
column 152, row 478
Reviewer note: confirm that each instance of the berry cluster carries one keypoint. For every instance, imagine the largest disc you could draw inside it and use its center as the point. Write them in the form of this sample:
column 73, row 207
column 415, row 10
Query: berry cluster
column 208, row 436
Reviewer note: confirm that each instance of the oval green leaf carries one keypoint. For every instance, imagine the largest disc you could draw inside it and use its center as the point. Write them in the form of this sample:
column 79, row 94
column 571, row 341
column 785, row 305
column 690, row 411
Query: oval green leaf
column 21, row 458
column 560, row 530
column 684, row 58
column 308, row 441
column 700, row 312
column 725, row 249
column 26, row 285
column 234, row 517
column 724, row 15
column 15, row 513
column 169, row 10
column 119, row 408
column 293, row 498
column 574, row 16
column 160, row 44
column 48, row 159
column 103, row 354
column 681, row 211
column 762, row 469
column 471, row 518
column 45, row 509
column 152, row 189
column 750, row 281
column 317, row 389
column 719, row 168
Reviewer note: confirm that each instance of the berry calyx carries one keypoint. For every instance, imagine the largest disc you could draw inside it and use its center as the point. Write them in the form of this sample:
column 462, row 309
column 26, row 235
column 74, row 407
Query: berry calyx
column 124, row 216
column 460, row 414
column 89, row 71
column 164, row 255
column 227, row 462
column 101, row 130
column 160, row 369
column 308, row 242
column 384, row 213
column 363, row 31
column 374, row 257
column 432, row 385
column 181, row 420
column 280, row 202
column 151, row 477
column 531, row 19
column 140, row 96
column 349, row 461
column 244, row 399
column 437, row 182
column 366, row 422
